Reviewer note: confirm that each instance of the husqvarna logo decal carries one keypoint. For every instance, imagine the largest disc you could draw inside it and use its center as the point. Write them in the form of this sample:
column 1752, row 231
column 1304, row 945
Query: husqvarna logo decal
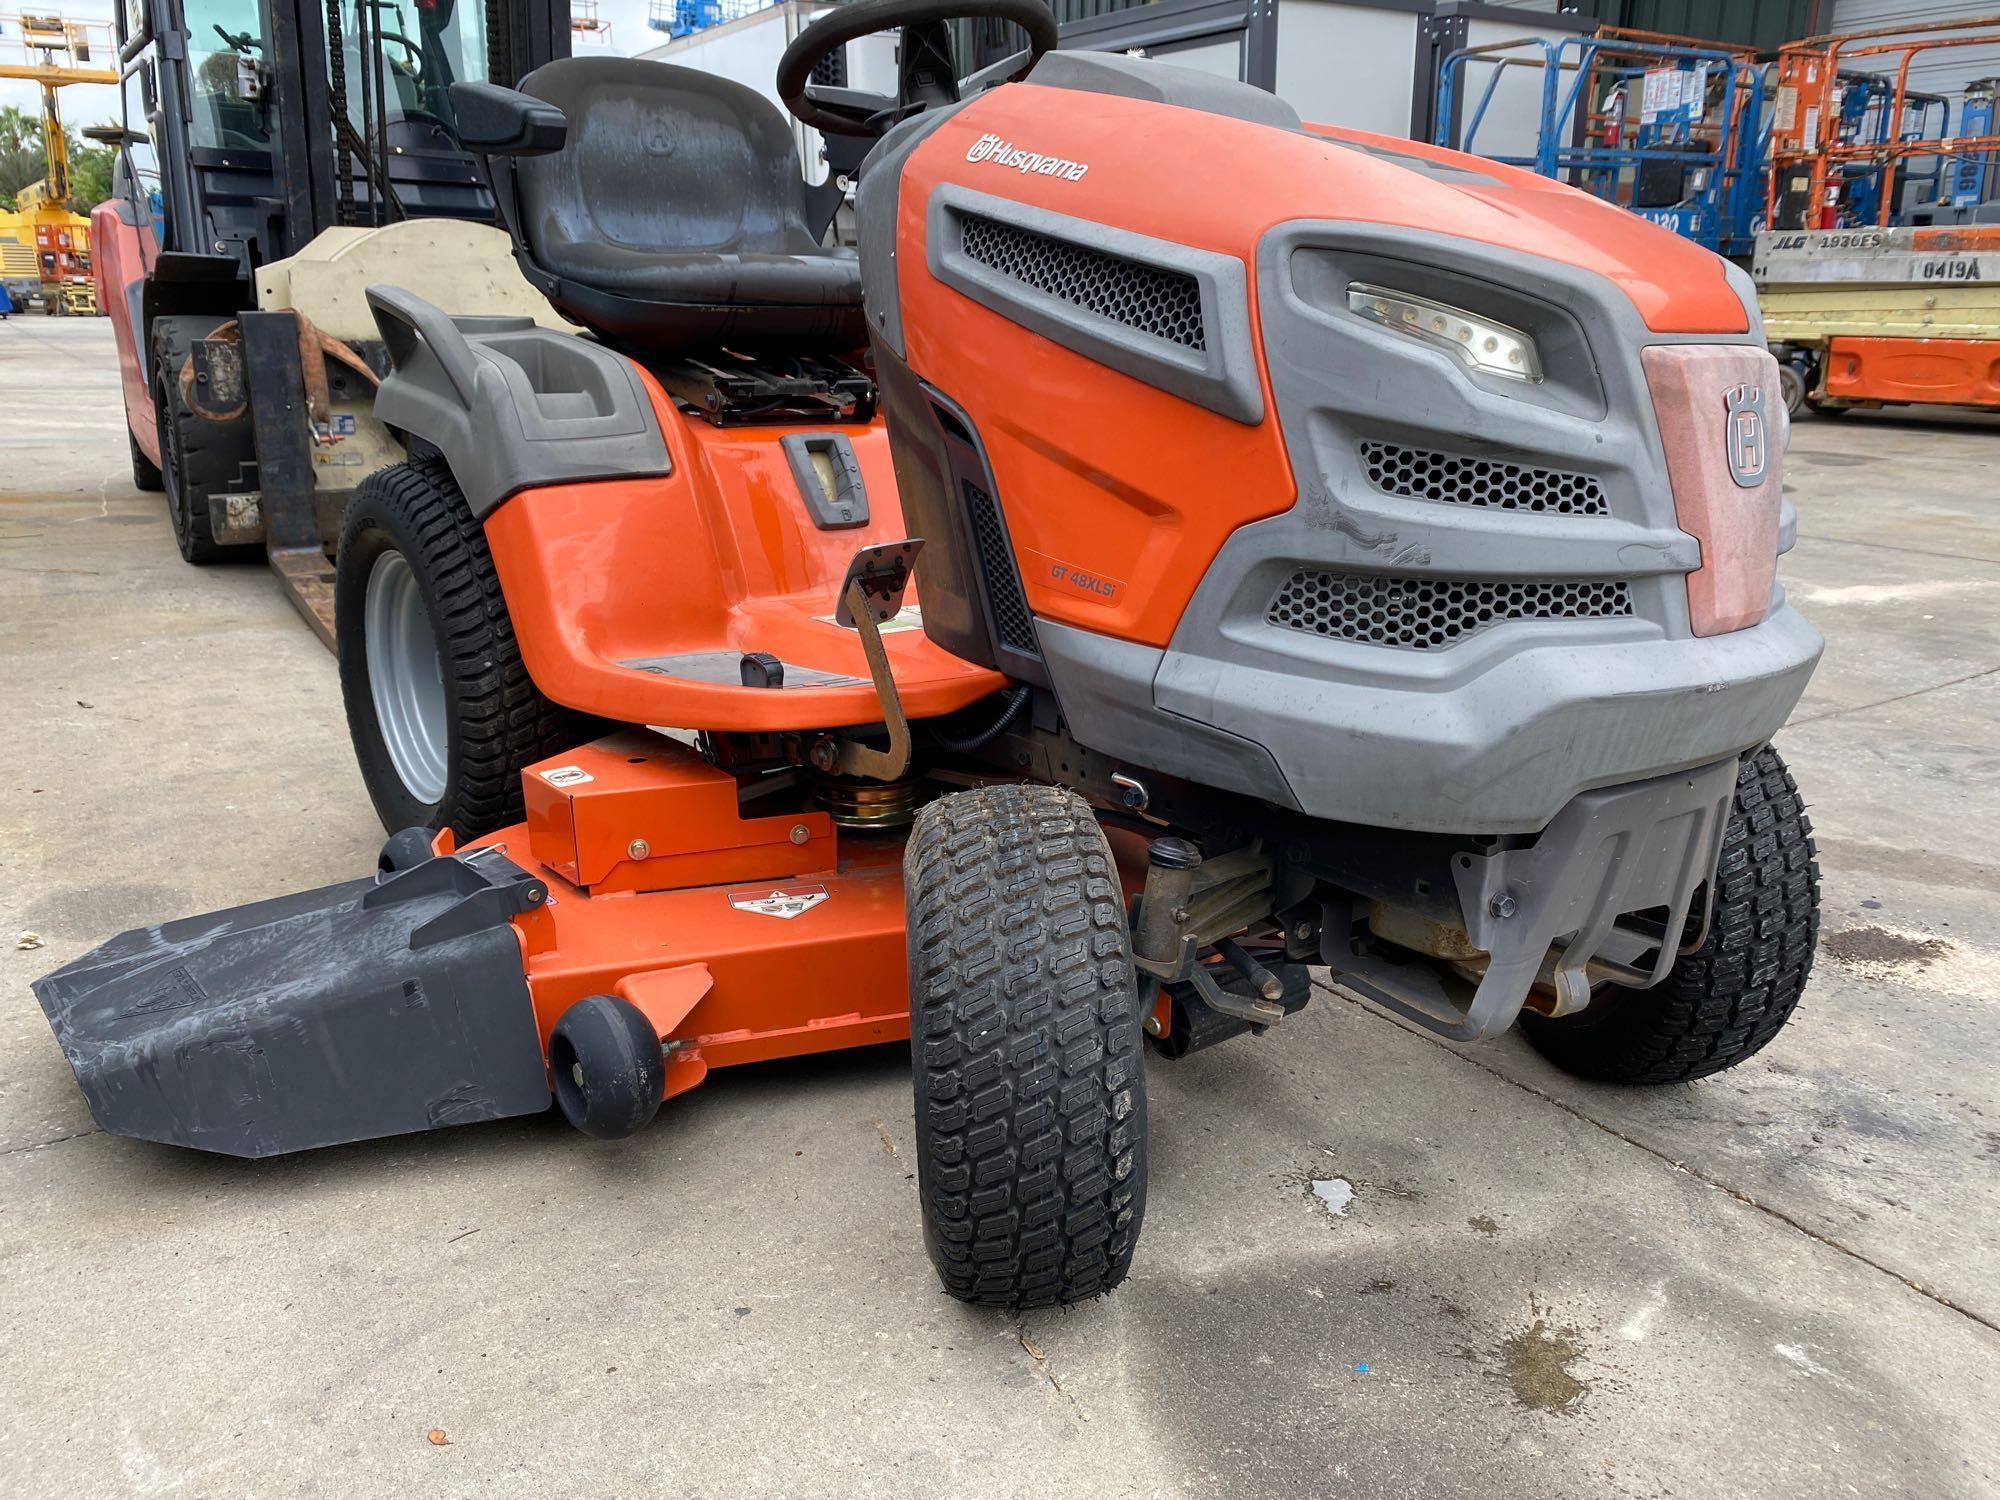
column 1745, row 437
column 990, row 147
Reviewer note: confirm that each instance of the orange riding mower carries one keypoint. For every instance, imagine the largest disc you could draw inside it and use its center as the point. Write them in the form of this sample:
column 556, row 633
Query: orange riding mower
column 1184, row 547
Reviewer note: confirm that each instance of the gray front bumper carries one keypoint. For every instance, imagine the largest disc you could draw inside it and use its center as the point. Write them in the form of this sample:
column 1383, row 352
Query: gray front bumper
column 1498, row 750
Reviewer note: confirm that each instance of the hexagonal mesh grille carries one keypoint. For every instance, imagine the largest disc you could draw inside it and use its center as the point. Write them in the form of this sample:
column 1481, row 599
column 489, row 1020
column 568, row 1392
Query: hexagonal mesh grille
column 1421, row 474
column 1166, row 304
column 1421, row 613
column 1003, row 580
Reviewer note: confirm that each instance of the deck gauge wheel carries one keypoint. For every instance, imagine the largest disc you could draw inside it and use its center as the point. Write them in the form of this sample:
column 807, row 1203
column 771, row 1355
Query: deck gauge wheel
column 606, row 1067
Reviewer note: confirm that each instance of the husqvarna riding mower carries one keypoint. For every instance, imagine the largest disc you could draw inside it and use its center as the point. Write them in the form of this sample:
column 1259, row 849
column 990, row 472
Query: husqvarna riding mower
column 1187, row 546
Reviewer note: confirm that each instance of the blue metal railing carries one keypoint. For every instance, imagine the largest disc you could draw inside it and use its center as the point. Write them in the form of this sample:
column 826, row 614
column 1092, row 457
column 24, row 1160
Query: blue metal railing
column 1719, row 210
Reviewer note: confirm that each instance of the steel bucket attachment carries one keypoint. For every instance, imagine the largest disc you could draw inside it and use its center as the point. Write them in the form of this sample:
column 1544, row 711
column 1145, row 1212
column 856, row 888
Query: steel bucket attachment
column 376, row 1007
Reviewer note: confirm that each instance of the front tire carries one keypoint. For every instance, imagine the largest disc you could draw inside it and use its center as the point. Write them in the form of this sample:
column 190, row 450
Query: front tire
column 1026, row 1048
column 190, row 460
column 441, row 709
column 1725, row 1001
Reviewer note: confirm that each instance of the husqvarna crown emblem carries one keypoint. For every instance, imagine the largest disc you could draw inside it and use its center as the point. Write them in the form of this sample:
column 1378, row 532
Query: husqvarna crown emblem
column 1744, row 439
column 990, row 148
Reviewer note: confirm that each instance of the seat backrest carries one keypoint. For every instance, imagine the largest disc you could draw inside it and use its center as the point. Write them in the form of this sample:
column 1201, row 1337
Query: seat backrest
column 661, row 160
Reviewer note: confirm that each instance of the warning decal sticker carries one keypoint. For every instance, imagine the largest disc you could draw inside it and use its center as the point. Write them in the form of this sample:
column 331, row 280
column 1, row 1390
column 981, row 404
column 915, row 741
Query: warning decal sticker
column 566, row 776
column 785, row 901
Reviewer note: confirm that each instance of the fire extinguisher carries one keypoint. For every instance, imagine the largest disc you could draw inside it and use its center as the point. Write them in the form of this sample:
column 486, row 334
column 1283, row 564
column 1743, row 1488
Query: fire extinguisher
column 1614, row 118
column 1829, row 211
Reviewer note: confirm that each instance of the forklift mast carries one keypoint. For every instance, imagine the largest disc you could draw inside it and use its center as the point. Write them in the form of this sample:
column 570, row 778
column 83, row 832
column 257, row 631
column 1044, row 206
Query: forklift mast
column 274, row 120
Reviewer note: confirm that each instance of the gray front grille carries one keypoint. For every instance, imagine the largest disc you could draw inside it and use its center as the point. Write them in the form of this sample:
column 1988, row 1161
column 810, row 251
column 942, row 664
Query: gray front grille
column 1422, row 613
column 1166, row 304
column 1011, row 619
column 1421, row 474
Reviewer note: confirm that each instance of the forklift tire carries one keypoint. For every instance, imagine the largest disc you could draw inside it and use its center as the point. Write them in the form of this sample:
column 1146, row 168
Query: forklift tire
column 1026, row 1048
column 439, row 662
column 1726, row 1000
column 606, row 1068
column 145, row 473
column 191, row 453
column 197, row 458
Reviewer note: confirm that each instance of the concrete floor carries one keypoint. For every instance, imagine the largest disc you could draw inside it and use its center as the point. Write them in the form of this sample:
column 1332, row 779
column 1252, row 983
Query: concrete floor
column 1779, row 1282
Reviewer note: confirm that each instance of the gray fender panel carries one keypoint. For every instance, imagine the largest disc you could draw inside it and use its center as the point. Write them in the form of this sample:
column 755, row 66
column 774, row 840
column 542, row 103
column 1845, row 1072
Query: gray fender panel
column 512, row 405
column 1163, row 83
column 876, row 203
column 1105, row 687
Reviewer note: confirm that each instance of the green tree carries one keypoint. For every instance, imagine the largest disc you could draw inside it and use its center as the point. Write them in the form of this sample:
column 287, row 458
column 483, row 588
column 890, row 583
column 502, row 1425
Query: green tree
column 20, row 152
column 89, row 173
column 22, row 162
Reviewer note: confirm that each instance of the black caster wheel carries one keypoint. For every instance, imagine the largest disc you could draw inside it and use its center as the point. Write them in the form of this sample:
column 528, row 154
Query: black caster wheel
column 604, row 1059
column 404, row 851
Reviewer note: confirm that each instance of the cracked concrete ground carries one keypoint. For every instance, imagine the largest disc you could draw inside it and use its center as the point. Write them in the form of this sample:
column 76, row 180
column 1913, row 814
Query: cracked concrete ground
column 1779, row 1282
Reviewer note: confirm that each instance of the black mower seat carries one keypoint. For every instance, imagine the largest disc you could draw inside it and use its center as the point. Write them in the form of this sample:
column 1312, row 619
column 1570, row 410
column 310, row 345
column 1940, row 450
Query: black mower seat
column 674, row 217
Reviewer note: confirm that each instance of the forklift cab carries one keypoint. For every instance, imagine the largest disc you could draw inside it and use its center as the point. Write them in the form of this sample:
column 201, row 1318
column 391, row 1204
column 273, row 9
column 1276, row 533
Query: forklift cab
column 268, row 129
column 275, row 157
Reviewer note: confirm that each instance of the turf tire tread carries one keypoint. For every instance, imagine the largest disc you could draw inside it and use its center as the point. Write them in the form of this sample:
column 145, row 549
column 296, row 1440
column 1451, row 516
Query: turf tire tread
column 1026, row 1047
column 501, row 722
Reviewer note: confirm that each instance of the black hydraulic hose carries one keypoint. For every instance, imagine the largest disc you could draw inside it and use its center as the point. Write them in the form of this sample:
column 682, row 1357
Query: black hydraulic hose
column 1017, row 699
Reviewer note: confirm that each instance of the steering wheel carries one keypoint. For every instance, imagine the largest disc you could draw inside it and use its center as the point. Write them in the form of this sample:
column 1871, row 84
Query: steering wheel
column 926, row 73
column 413, row 54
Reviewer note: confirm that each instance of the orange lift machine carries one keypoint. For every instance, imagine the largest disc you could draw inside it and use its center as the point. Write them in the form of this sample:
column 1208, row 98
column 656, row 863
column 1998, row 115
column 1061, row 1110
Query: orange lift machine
column 1875, row 294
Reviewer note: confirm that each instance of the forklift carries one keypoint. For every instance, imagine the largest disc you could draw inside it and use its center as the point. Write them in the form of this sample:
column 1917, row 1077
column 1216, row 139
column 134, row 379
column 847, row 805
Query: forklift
column 277, row 157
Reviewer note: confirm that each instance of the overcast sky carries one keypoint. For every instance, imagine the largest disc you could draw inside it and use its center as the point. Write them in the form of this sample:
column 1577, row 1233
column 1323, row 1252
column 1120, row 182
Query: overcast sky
column 88, row 104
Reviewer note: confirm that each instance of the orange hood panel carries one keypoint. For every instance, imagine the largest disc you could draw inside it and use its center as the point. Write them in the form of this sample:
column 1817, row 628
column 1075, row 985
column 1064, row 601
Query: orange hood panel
column 1218, row 183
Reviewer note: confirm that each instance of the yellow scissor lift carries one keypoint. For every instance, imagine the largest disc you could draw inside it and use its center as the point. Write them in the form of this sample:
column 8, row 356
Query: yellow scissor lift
column 40, row 236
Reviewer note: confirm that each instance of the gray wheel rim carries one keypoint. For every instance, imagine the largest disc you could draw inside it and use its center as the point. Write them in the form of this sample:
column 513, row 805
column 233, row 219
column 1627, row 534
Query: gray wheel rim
column 405, row 677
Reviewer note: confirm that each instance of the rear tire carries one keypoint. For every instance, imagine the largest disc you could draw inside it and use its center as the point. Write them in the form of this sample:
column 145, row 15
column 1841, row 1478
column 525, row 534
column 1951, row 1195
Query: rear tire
column 1725, row 1001
column 463, row 717
column 145, row 473
column 1026, row 1048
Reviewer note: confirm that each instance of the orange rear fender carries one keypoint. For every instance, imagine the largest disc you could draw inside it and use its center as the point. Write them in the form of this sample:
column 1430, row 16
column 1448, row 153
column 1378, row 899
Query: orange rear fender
column 688, row 571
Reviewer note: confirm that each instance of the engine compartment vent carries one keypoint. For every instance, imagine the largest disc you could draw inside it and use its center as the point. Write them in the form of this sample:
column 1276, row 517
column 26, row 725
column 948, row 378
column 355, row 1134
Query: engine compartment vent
column 1420, row 474
column 1011, row 619
column 1163, row 303
column 1423, row 613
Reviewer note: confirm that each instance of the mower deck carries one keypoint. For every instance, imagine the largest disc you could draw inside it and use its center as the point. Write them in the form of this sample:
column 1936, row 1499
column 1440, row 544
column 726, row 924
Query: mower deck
column 426, row 995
